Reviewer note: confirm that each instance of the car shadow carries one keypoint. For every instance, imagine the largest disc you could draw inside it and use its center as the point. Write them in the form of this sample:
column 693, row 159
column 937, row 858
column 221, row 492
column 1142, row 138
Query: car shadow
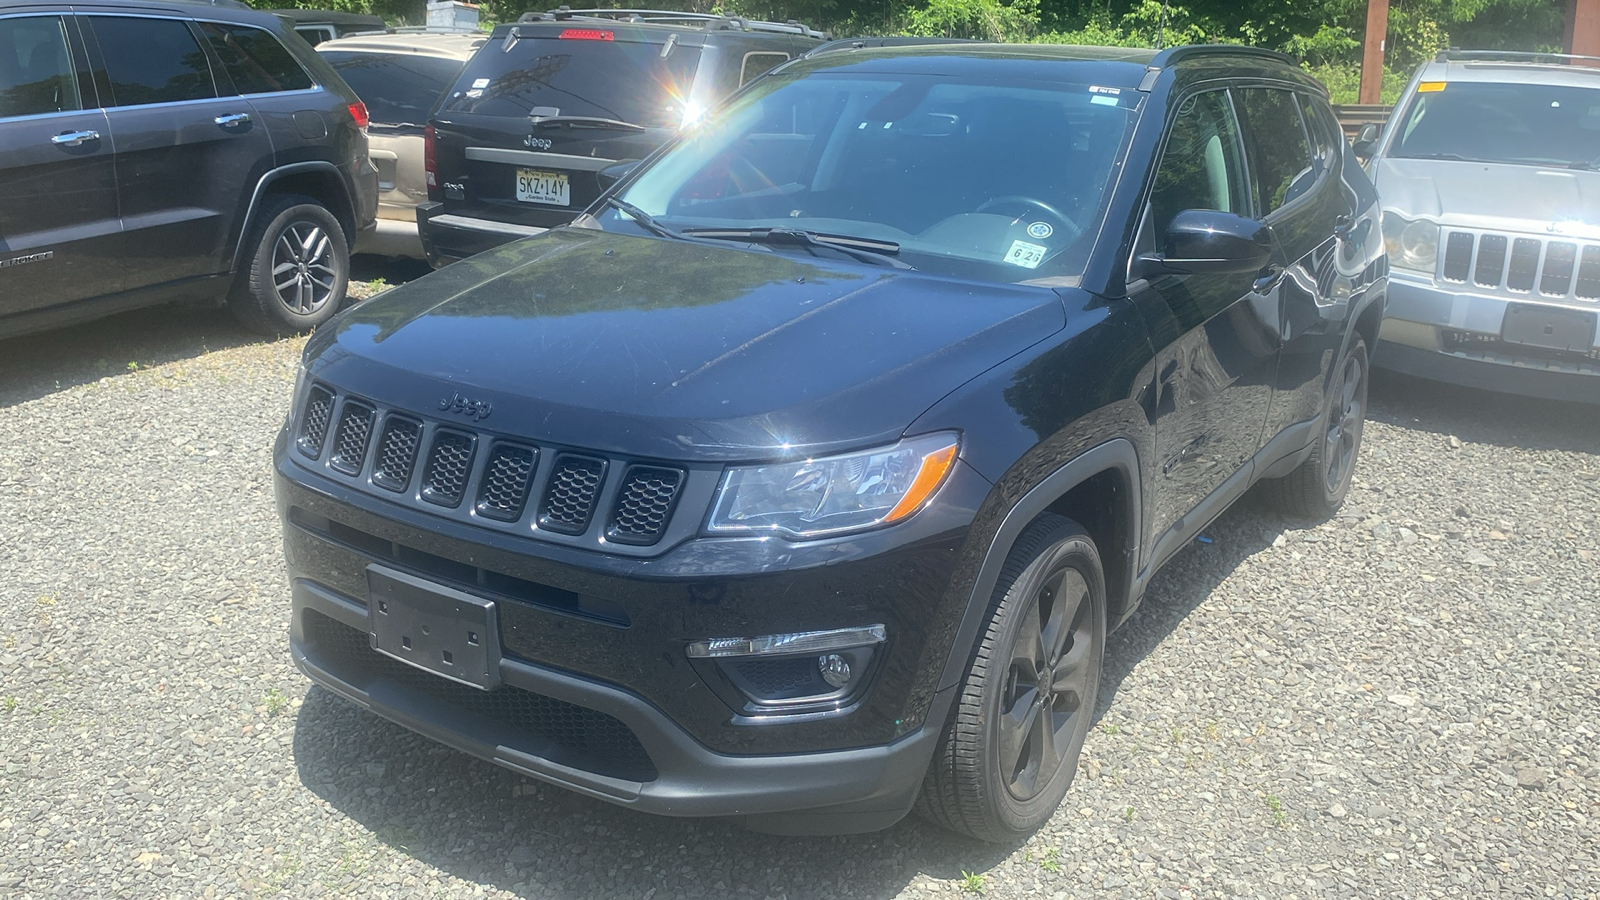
column 37, row 365
column 1485, row 417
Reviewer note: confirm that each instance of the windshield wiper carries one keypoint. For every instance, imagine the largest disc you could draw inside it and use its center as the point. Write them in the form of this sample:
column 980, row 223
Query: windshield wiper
column 865, row 250
column 587, row 122
column 1453, row 157
column 645, row 220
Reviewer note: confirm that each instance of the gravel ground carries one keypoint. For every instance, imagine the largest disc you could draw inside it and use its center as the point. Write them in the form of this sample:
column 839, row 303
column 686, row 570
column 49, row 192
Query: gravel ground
column 1399, row 703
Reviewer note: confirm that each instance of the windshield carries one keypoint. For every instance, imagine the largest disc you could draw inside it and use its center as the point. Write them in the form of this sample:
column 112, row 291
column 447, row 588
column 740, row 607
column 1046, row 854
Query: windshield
column 398, row 89
column 994, row 181
column 636, row 82
column 1525, row 124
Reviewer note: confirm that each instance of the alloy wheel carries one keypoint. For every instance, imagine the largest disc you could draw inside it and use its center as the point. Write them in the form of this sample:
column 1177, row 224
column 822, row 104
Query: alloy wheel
column 302, row 267
column 1048, row 678
column 1344, row 424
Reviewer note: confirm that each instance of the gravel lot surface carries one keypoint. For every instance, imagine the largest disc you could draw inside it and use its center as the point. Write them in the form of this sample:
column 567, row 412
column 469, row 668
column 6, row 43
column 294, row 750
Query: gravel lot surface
column 1402, row 702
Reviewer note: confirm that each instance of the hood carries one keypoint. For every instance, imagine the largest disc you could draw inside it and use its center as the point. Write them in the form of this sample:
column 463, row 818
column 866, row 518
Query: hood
column 660, row 348
column 1491, row 195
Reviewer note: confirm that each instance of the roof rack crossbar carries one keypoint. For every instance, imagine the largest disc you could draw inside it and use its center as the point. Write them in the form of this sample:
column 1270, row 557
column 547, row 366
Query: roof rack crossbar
column 709, row 21
column 1506, row 56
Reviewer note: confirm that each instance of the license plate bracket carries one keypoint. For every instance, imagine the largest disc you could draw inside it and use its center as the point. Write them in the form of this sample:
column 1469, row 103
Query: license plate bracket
column 435, row 628
column 540, row 186
column 1550, row 327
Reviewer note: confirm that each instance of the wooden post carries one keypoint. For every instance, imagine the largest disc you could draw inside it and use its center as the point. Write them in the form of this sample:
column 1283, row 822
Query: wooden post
column 1583, row 28
column 1371, row 91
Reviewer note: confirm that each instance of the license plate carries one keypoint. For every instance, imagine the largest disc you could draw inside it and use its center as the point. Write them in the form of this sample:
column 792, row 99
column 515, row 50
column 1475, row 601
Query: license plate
column 433, row 627
column 1550, row 327
column 536, row 186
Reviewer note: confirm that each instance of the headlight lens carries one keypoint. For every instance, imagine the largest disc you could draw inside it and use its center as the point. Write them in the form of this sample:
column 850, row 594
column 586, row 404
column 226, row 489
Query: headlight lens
column 835, row 494
column 1412, row 243
column 294, row 398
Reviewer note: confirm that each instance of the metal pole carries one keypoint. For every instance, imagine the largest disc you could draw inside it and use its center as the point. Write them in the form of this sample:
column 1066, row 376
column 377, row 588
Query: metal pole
column 1372, row 52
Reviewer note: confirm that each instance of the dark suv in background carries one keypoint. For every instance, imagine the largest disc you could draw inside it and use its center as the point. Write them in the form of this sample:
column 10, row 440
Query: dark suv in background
column 552, row 101
column 802, row 478
column 165, row 151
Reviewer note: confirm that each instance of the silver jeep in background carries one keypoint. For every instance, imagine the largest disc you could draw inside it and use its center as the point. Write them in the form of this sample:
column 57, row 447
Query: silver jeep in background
column 1489, row 171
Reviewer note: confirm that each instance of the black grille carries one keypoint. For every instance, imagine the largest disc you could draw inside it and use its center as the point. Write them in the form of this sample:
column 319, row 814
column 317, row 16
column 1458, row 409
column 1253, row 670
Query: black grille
column 314, row 421
column 542, row 726
column 1491, row 260
column 644, row 504
column 1457, row 256
column 397, row 453
column 778, row 678
column 449, row 466
column 350, row 441
column 1560, row 258
column 1524, row 262
column 569, row 500
column 505, row 482
column 1588, row 286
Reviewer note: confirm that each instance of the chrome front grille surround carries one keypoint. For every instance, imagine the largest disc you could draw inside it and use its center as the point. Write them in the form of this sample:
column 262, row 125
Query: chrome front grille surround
column 1522, row 266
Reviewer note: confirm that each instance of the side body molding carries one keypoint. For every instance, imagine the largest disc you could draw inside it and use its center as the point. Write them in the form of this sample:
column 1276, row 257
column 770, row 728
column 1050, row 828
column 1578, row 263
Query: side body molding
column 1116, row 454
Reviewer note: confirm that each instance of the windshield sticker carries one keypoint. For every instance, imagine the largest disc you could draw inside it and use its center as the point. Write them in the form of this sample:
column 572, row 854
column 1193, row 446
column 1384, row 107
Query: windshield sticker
column 1040, row 230
column 1429, row 87
column 1097, row 89
column 480, row 83
column 1026, row 255
column 1103, row 100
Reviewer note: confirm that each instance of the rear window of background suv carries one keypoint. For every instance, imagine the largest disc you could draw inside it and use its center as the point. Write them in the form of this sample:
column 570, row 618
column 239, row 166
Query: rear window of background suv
column 609, row 79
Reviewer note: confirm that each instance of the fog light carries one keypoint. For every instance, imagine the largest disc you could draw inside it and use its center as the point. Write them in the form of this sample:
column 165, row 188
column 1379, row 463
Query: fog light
column 835, row 669
column 785, row 644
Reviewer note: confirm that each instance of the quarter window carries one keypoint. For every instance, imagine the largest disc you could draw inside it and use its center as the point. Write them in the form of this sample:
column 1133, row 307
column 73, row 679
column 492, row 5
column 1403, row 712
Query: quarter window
column 1280, row 156
column 36, row 74
column 256, row 60
column 758, row 64
column 152, row 61
column 1201, row 167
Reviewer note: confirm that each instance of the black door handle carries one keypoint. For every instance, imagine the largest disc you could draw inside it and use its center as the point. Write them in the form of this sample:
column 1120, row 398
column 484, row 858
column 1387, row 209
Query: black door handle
column 1268, row 280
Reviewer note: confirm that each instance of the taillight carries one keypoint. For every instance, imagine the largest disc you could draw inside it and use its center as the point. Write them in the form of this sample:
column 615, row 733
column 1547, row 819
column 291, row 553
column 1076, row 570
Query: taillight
column 430, row 156
column 587, row 34
column 358, row 111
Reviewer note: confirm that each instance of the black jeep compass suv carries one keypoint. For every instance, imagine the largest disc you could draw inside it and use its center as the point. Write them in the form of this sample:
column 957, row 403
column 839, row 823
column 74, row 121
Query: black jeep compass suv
column 802, row 478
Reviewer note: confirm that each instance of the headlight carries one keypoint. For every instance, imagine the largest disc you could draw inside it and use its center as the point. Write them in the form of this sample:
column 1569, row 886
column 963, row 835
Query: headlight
column 294, row 398
column 1413, row 244
column 835, row 494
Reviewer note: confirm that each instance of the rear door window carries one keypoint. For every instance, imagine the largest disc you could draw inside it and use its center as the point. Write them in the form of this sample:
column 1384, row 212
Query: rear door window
column 255, row 59
column 589, row 76
column 398, row 90
column 152, row 60
column 1279, row 153
column 759, row 64
column 36, row 73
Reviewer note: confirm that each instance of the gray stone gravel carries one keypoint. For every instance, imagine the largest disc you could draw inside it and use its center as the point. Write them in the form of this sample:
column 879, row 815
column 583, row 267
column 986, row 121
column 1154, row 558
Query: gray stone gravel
column 1401, row 702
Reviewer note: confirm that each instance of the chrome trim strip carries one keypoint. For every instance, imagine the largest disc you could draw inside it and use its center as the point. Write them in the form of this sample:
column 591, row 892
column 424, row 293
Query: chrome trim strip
column 487, row 225
column 530, row 157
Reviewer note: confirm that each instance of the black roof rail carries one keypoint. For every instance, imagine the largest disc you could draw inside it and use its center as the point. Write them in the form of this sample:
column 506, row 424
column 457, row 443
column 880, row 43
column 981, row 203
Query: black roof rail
column 1454, row 55
column 1174, row 55
column 862, row 43
column 706, row 21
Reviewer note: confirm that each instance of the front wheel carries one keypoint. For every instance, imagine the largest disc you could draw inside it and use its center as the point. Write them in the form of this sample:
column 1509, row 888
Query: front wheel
column 1010, row 749
column 1317, row 487
column 297, row 271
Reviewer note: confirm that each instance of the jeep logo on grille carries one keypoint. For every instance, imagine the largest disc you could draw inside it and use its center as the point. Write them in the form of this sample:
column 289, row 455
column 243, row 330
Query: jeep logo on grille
column 477, row 409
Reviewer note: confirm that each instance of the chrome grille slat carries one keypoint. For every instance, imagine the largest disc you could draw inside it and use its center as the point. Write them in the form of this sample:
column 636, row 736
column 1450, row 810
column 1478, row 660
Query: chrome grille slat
column 1512, row 265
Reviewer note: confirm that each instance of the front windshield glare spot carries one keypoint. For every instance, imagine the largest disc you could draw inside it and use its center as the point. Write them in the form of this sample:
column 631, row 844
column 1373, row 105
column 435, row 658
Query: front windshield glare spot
column 998, row 182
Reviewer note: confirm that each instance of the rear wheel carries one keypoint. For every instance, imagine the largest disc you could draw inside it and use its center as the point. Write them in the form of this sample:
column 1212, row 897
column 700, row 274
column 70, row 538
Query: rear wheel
column 1317, row 487
column 1010, row 749
column 298, row 268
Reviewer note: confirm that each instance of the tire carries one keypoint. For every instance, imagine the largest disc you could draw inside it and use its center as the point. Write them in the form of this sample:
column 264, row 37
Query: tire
column 1317, row 487
column 994, row 776
column 297, row 270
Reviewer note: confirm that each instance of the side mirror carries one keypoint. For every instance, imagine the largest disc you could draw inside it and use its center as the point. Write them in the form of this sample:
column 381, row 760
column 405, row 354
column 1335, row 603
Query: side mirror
column 1366, row 142
column 1207, row 242
column 612, row 174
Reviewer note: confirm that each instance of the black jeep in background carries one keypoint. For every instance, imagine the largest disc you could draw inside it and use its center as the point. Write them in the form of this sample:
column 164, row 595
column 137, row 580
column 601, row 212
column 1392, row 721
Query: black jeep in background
column 802, row 478
column 168, row 151
column 553, row 100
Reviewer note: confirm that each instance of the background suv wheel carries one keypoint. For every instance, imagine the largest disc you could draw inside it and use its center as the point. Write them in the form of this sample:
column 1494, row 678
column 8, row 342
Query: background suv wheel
column 1010, row 749
column 299, row 267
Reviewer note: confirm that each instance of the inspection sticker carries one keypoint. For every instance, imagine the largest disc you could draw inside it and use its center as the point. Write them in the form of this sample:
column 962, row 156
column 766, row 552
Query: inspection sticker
column 1026, row 255
column 480, row 83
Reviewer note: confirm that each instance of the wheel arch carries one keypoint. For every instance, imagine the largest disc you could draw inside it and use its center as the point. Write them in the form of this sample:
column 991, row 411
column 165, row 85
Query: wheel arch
column 1100, row 490
column 316, row 179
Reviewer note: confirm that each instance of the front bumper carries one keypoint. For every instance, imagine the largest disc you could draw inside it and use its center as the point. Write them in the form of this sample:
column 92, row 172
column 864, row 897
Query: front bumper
column 1451, row 335
column 448, row 238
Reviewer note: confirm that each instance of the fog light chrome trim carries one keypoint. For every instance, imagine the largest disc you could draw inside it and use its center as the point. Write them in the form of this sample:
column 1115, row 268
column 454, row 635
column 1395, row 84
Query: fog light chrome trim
column 787, row 644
